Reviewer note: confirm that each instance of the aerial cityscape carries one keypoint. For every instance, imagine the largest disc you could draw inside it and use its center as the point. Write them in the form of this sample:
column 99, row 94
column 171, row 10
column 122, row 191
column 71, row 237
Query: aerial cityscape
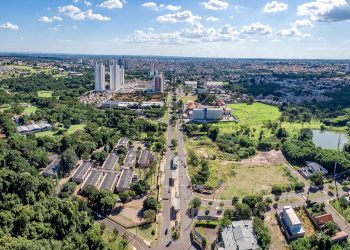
column 212, row 124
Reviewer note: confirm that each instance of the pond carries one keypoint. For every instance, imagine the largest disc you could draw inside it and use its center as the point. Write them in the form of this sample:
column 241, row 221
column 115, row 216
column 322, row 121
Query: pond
column 329, row 139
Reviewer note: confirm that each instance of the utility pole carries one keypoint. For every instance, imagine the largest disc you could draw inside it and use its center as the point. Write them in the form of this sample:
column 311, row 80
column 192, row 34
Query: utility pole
column 335, row 168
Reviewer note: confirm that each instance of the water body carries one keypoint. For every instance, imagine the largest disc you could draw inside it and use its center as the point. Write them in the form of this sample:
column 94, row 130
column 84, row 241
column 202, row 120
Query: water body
column 329, row 139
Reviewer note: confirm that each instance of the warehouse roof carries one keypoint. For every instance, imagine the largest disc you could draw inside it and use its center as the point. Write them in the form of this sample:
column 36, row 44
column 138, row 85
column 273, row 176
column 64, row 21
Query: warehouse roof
column 81, row 171
column 111, row 161
column 110, row 181
column 94, row 178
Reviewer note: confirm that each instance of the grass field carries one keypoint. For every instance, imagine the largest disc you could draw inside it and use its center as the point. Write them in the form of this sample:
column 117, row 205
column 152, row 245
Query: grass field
column 145, row 232
column 45, row 94
column 113, row 241
column 30, row 110
column 256, row 114
column 253, row 180
column 344, row 212
column 72, row 129
column 185, row 99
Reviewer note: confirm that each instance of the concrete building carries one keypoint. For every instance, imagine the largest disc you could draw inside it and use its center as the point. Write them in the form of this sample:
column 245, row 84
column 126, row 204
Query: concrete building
column 100, row 84
column 109, row 181
column 130, row 159
column 125, row 180
column 159, row 83
column 238, row 236
column 94, row 179
column 123, row 142
column 82, row 172
column 210, row 114
column 53, row 168
column 291, row 223
column 152, row 70
column 311, row 168
column 202, row 86
column 347, row 68
column 116, row 77
column 144, row 159
column 111, row 161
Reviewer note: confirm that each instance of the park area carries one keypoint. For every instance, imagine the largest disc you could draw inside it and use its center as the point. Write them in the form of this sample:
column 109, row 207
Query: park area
column 45, row 94
column 61, row 131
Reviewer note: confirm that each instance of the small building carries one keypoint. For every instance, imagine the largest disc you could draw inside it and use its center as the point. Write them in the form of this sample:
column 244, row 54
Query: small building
column 239, row 235
column 311, row 168
column 125, row 180
column 53, row 168
column 145, row 159
column 111, row 161
column 82, row 172
column 109, row 181
column 291, row 224
column 210, row 114
column 94, row 179
column 123, row 142
column 130, row 159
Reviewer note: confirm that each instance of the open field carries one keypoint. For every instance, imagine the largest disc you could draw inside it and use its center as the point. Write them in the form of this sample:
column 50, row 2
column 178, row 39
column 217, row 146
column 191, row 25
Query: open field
column 253, row 180
column 278, row 241
column 30, row 110
column 72, row 129
column 45, row 94
column 255, row 115
column 185, row 99
column 113, row 241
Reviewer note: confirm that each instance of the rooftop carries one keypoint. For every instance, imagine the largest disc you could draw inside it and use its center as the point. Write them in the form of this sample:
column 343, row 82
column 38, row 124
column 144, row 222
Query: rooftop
column 125, row 178
column 109, row 182
column 81, row 171
column 94, row 178
column 111, row 161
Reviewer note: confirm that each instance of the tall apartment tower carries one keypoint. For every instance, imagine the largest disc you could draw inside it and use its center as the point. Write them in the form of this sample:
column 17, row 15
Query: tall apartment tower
column 152, row 70
column 159, row 83
column 347, row 68
column 100, row 84
column 117, row 76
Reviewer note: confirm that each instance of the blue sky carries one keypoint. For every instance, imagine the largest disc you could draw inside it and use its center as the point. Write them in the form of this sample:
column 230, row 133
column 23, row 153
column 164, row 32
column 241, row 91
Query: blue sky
column 214, row 28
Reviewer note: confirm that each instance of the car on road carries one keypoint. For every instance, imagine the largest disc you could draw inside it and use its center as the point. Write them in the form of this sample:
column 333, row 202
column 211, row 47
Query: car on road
column 168, row 244
column 166, row 232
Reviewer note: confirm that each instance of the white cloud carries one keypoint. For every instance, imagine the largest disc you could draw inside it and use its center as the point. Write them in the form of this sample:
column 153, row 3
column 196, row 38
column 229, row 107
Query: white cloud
column 326, row 10
column 179, row 17
column 212, row 19
column 274, row 7
column 304, row 23
column 294, row 30
column 112, row 4
column 215, row 5
column 9, row 26
column 173, row 7
column 76, row 14
column 87, row 3
column 198, row 33
column 256, row 29
column 46, row 19
column 155, row 6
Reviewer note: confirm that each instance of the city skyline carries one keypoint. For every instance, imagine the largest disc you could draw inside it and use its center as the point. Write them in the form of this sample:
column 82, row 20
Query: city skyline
column 205, row 28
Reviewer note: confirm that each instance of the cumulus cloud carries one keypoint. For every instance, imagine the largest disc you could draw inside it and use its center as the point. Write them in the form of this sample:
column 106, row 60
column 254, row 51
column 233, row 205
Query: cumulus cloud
column 155, row 6
column 256, row 29
column 46, row 19
column 112, row 4
column 304, row 23
column 87, row 3
column 294, row 30
column 274, row 7
column 9, row 26
column 212, row 19
column 76, row 14
column 215, row 5
column 326, row 10
column 179, row 17
column 198, row 33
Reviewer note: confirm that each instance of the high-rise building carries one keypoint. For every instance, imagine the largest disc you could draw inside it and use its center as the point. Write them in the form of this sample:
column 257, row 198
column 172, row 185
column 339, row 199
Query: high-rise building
column 100, row 77
column 347, row 68
column 159, row 83
column 116, row 77
column 152, row 70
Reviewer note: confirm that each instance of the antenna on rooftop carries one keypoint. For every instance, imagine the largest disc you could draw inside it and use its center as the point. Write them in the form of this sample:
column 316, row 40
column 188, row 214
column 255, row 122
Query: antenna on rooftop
column 335, row 168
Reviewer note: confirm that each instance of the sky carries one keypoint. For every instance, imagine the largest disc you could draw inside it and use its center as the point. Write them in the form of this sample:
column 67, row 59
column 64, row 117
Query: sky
column 316, row 29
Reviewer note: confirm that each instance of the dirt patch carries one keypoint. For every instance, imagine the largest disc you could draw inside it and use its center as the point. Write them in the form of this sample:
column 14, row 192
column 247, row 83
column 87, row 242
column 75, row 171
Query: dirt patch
column 278, row 241
column 129, row 214
column 264, row 158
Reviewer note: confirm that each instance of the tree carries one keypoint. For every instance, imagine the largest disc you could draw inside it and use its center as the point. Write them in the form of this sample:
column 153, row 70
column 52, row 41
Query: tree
column 262, row 233
column 173, row 143
column 317, row 178
column 150, row 203
column 213, row 133
column 235, row 199
column 282, row 133
column 105, row 201
column 68, row 161
column 331, row 228
column 149, row 215
column 68, row 189
column 242, row 211
column 195, row 203
column 252, row 200
column 141, row 187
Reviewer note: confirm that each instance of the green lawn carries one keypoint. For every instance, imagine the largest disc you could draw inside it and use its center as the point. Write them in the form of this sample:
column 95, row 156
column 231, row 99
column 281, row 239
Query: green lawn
column 145, row 232
column 45, row 94
column 72, row 129
column 30, row 110
column 344, row 212
column 113, row 241
column 185, row 99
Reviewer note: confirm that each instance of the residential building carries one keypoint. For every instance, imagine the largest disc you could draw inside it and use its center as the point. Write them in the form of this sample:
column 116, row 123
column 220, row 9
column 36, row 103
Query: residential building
column 144, row 159
column 125, row 180
column 238, row 236
column 34, row 128
column 53, row 168
column 347, row 68
column 202, row 86
column 109, row 181
column 123, row 142
column 100, row 84
column 111, row 161
column 159, row 83
column 311, row 168
column 116, row 77
column 82, row 172
column 130, row 159
column 292, row 226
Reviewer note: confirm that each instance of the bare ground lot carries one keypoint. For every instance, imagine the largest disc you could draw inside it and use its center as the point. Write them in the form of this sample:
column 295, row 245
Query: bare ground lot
column 129, row 214
column 278, row 241
column 272, row 157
